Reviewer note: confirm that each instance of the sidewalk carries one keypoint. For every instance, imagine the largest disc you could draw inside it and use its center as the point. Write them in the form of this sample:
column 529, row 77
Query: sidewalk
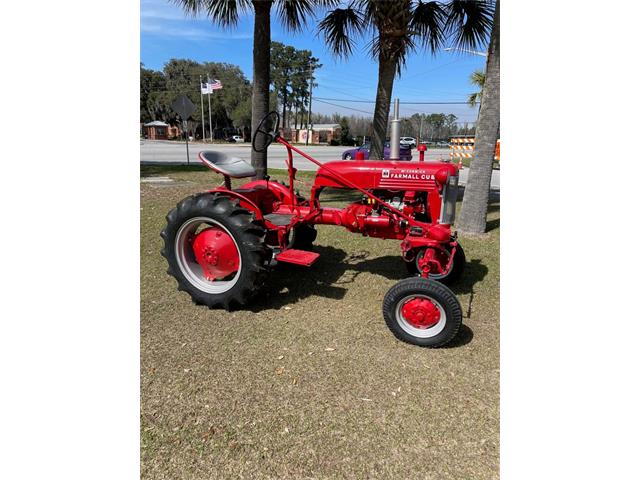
column 495, row 178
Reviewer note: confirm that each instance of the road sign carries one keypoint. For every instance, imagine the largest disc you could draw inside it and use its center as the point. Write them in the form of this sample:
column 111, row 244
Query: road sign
column 183, row 107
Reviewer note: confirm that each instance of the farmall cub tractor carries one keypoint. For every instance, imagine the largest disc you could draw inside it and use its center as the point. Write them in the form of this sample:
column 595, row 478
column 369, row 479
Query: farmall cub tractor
column 221, row 244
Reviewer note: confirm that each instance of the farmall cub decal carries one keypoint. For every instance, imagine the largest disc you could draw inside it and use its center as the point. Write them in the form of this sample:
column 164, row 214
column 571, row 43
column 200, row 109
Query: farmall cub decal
column 406, row 174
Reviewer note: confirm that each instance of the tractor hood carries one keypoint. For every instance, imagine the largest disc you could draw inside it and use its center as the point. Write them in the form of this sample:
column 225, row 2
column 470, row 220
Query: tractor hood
column 386, row 174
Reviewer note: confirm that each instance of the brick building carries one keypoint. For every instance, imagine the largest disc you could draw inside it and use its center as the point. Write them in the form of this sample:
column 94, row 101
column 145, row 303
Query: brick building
column 158, row 130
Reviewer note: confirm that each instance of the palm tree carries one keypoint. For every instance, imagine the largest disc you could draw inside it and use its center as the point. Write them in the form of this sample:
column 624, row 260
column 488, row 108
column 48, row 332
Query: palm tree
column 477, row 79
column 292, row 14
column 399, row 27
column 473, row 214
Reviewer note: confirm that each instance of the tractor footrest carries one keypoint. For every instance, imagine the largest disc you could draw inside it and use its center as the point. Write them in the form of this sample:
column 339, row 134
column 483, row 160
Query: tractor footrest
column 298, row 257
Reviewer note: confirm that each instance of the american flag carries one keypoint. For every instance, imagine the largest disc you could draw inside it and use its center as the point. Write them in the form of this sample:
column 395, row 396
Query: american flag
column 215, row 85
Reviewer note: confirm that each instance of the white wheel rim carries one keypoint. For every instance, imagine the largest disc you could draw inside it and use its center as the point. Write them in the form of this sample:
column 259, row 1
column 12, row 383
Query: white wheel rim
column 421, row 332
column 188, row 265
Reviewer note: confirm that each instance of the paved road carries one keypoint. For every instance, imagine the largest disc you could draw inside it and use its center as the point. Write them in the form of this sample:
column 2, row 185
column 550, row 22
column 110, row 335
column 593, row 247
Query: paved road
column 175, row 152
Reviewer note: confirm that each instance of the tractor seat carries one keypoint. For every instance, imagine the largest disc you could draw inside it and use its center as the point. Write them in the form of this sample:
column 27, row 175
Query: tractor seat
column 279, row 219
column 231, row 166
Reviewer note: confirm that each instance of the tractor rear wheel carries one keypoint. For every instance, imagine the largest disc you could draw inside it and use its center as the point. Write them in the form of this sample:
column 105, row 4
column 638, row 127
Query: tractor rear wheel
column 459, row 261
column 215, row 250
column 303, row 236
column 422, row 312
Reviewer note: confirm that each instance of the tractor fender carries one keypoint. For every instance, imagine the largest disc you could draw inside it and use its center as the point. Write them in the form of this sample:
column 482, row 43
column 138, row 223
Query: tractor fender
column 279, row 190
column 244, row 201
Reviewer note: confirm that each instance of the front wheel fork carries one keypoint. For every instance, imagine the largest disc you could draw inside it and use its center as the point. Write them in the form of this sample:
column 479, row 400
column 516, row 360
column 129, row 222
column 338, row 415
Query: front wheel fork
column 432, row 260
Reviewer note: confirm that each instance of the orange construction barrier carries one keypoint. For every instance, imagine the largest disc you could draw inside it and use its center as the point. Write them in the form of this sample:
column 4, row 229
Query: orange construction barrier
column 463, row 147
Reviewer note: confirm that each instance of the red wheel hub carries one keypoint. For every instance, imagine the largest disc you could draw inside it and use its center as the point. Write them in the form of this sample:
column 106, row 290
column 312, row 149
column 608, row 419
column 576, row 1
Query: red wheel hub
column 216, row 253
column 435, row 260
column 421, row 313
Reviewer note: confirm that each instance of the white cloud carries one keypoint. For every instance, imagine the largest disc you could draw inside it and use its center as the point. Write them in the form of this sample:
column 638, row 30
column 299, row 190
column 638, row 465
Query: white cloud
column 163, row 14
column 190, row 32
column 162, row 18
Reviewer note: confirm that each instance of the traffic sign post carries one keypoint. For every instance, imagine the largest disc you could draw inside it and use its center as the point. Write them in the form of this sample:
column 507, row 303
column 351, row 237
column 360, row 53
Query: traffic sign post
column 186, row 138
column 184, row 107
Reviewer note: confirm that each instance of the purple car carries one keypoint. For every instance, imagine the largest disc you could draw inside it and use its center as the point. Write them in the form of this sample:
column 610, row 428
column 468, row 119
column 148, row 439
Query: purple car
column 405, row 152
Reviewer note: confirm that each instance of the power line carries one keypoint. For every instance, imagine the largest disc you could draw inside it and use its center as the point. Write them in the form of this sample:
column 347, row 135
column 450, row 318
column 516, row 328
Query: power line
column 342, row 106
column 403, row 102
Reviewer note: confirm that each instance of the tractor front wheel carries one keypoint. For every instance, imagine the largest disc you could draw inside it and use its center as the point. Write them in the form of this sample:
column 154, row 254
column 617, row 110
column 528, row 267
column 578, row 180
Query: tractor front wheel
column 459, row 261
column 215, row 250
column 422, row 312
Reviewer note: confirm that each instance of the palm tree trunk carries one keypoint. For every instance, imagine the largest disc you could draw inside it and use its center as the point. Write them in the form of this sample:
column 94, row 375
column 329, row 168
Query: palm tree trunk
column 261, row 66
column 386, row 73
column 473, row 214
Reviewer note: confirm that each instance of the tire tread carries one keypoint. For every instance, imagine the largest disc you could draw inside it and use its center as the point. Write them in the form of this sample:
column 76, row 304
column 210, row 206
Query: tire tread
column 248, row 234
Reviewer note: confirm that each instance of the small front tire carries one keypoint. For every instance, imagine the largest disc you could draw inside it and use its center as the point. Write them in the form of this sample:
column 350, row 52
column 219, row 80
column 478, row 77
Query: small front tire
column 422, row 312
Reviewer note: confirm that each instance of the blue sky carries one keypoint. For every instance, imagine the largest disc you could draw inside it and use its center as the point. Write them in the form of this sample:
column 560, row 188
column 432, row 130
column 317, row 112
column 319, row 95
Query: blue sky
column 166, row 32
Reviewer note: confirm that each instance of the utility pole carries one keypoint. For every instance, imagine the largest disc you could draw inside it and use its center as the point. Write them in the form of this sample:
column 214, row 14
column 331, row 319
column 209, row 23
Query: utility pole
column 202, row 108
column 309, row 111
column 420, row 131
column 209, row 95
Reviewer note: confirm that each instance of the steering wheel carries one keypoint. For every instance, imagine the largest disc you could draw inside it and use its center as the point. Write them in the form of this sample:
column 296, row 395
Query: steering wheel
column 267, row 130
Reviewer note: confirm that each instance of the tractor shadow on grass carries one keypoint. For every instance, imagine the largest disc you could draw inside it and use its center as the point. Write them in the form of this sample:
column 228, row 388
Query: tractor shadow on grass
column 464, row 336
column 336, row 270
column 287, row 283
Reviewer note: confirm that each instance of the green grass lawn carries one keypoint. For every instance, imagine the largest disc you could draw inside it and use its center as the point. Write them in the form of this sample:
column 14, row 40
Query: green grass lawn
column 308, row 382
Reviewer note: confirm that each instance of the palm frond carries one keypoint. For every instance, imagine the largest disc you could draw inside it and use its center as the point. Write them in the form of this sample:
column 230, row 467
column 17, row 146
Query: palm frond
column 427, row 22
column 191, row 7
column 337, row 27
column 221, row 12
column 469, row 22
column 477, row 78
column 473, row 99
column 293, row 13
column 393, row 37
column 396, row 52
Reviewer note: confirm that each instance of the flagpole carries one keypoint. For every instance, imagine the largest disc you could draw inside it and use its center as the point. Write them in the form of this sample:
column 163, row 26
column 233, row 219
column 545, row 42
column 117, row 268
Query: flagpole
column 209, row 96
column 202, row 109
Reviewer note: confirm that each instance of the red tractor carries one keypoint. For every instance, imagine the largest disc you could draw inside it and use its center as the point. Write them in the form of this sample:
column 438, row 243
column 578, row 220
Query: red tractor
column 221, row 244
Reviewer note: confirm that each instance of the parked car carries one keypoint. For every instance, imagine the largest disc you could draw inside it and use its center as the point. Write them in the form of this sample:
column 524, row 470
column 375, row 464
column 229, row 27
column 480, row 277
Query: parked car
column 405, row 152
column 408, row 142
column 235, row 139
column 442, row 144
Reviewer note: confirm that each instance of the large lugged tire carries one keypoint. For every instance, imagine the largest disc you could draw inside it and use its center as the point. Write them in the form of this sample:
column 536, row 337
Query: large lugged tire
column 215, row 250
column 303, row 236
column 422, row 312
column 459, row 261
